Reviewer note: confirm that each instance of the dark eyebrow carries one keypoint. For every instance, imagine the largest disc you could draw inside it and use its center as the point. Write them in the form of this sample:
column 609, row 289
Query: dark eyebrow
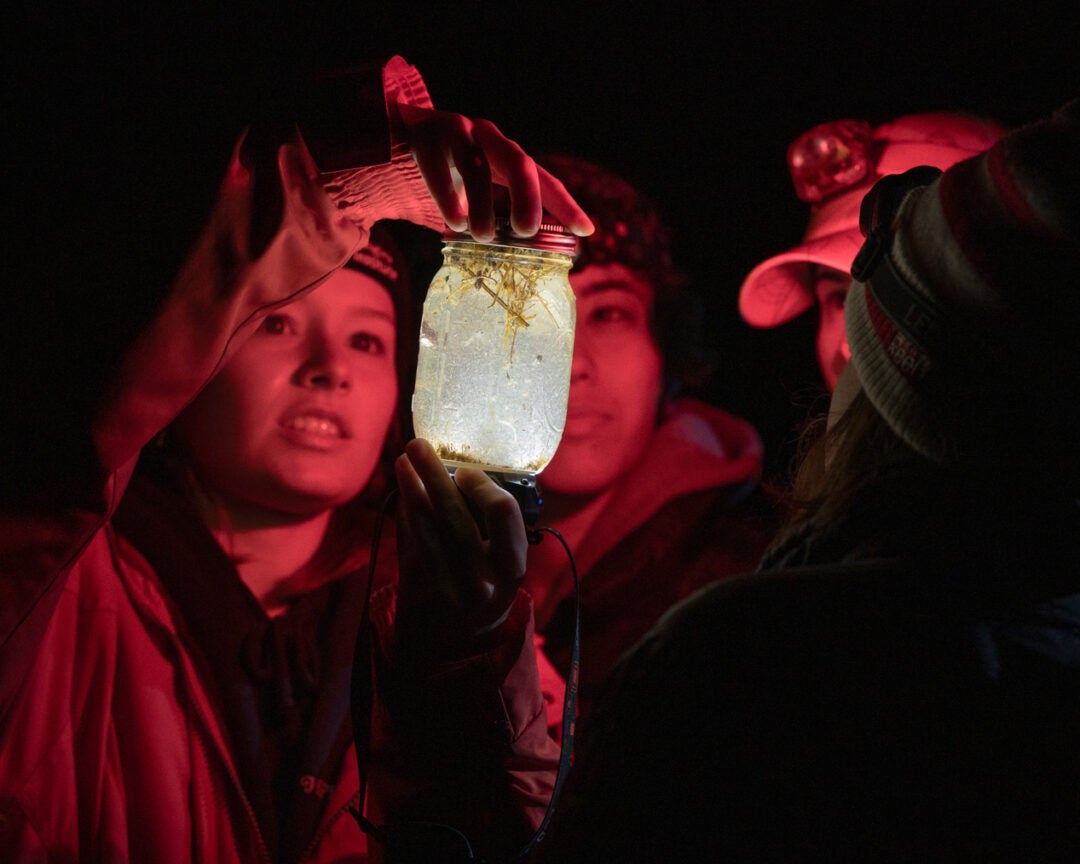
column 614, row 285
column 369, row 312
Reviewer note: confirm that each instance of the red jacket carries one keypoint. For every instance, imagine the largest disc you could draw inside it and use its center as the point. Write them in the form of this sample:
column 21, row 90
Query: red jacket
column 690, row 513
column 110, row 747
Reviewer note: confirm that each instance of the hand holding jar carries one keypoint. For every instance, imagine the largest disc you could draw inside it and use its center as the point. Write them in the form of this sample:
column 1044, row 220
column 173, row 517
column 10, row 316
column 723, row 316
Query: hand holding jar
column 455, row 584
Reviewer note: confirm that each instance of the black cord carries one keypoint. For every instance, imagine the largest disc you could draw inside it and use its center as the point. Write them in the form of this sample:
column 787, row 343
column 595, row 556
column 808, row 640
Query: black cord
column 361, row 702
column 566, row 747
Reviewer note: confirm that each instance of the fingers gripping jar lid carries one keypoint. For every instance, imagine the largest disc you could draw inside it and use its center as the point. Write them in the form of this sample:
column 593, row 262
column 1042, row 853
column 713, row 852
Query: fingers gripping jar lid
column 550, row 237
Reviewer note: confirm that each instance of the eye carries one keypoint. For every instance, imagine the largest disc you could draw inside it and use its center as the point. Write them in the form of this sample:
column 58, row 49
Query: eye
column 610, row 315
column 276, row 325
column 368, row 343
column 836, row 298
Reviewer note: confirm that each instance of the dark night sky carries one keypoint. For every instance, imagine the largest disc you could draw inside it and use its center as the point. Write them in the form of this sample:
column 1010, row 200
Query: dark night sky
column 696, row 103
column 693, row 102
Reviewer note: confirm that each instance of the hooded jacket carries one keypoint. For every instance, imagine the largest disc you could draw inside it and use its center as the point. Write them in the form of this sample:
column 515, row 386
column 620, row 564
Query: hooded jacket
column 112, row 744
column 689, row 514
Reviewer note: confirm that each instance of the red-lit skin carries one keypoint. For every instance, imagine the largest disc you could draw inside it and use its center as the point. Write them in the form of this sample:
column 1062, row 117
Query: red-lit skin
column 451, row 579
column 615, row 384
column 266, row 492
column 830, row 290
column 271, row 482
column 480, row 153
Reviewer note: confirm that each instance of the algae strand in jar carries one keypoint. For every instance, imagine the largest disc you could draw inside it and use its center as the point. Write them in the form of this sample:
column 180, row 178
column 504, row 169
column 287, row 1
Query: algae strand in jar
column 496, row 345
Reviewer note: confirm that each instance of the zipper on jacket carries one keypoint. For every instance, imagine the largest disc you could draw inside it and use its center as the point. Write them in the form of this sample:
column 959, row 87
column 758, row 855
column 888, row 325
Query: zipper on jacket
column 220, row 795
column 197, row 717
column 329, row 823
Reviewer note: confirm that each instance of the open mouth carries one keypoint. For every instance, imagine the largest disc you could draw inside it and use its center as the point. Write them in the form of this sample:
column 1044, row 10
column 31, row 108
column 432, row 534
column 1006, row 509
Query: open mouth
column 316, row 425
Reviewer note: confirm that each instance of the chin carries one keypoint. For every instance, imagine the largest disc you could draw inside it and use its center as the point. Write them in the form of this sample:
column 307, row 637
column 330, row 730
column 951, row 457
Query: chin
column 569, row 482
column 585, row 468
column 323, row 488
column 313, row 500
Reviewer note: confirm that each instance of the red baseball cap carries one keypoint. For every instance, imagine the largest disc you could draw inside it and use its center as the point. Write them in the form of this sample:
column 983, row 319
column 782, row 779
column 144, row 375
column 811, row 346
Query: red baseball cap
column 833, row 166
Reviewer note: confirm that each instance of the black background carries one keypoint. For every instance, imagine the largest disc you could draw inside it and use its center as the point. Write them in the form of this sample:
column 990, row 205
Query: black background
column 696, row 104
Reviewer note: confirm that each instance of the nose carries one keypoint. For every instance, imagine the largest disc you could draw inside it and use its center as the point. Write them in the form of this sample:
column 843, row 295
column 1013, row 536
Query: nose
column 326, row 366
column 581, row 364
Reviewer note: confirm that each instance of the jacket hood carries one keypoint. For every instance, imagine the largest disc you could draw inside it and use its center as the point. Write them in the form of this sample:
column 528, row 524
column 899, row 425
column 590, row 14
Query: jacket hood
column 696, row 447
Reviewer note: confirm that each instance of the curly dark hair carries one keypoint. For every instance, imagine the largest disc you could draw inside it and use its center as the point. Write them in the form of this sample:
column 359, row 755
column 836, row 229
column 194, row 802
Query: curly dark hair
column 630, row 231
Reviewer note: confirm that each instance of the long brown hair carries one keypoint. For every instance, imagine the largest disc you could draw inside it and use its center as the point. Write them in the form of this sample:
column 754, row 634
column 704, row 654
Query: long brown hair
column 842, row 471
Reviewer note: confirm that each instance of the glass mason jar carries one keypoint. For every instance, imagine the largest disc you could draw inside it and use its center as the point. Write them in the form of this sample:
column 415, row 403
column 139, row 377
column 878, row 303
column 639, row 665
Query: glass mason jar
column 496, row 344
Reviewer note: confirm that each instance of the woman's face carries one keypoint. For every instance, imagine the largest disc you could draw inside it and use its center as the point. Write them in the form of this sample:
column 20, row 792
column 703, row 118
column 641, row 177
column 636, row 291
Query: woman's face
column 615, row 382
column 830, row 289
column 296, row 421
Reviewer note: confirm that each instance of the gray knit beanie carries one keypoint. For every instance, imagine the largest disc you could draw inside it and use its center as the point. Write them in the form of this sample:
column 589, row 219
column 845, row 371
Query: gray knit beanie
column 965, row 328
